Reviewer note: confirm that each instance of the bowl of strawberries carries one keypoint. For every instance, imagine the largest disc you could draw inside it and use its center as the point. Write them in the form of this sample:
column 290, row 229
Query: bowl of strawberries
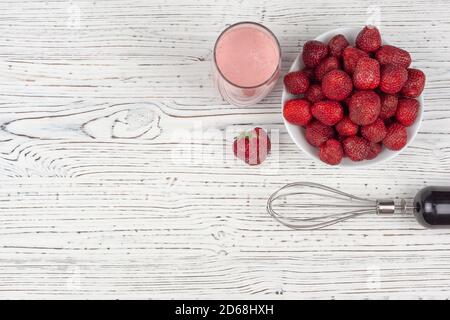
column 351, row 99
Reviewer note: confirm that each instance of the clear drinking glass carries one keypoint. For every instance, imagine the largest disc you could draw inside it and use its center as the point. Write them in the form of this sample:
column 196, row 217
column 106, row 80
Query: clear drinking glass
column 247, row 62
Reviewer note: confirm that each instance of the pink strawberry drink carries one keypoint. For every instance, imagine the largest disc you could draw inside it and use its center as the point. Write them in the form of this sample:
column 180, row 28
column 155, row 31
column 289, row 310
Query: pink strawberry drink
column 246, row 63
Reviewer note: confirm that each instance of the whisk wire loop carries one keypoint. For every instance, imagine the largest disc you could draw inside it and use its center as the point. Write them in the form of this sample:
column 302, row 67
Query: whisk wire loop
column 354, row 206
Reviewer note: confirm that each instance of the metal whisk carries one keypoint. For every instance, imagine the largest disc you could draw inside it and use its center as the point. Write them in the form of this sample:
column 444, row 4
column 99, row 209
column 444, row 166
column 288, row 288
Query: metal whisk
column 316, row 210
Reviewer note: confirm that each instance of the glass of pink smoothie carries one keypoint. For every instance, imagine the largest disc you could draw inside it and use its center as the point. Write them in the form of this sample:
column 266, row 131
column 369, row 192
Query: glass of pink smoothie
column 247, row 61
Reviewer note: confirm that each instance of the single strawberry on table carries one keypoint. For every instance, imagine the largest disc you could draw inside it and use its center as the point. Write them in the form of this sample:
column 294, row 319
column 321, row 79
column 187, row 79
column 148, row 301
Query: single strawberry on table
column 252, row 146
column 296, row 82
column 297, row 111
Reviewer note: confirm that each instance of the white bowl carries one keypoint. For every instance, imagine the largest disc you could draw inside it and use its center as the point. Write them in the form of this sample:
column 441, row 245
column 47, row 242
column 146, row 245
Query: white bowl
column 297, row 133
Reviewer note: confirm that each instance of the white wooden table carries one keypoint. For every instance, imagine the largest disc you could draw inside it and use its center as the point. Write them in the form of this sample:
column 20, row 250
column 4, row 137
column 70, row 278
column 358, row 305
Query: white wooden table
column 102, row 197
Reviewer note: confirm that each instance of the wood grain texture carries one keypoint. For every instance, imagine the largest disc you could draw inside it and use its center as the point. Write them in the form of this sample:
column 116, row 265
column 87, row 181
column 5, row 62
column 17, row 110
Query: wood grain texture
column 116, row 177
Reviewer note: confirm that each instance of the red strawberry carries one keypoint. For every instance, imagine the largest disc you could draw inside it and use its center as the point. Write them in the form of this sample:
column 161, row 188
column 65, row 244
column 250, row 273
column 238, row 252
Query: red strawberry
column 326, row 65
column 346, row 127
column 356, row 148
column 388, row 105
column 366, row 75
column 337, row 44
column 393, row 78
column 396, row 137
column 392, row 55
column 314, row 93
column 407, row 111
column 297, row 111
column 415, row 83
column 328, row 112
column 252, row 147
column 310, row 73
column 364, row 107
column 317, row 133
column 331, row 152
column 350, row 57
column 375, row 150
column 374, row 132
column 313, row 52
column 369, row 39
column 337, row 85
column 296, row 82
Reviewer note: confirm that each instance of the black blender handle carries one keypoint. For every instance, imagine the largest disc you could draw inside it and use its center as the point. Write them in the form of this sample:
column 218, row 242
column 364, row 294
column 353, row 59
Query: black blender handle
column 432, row 207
